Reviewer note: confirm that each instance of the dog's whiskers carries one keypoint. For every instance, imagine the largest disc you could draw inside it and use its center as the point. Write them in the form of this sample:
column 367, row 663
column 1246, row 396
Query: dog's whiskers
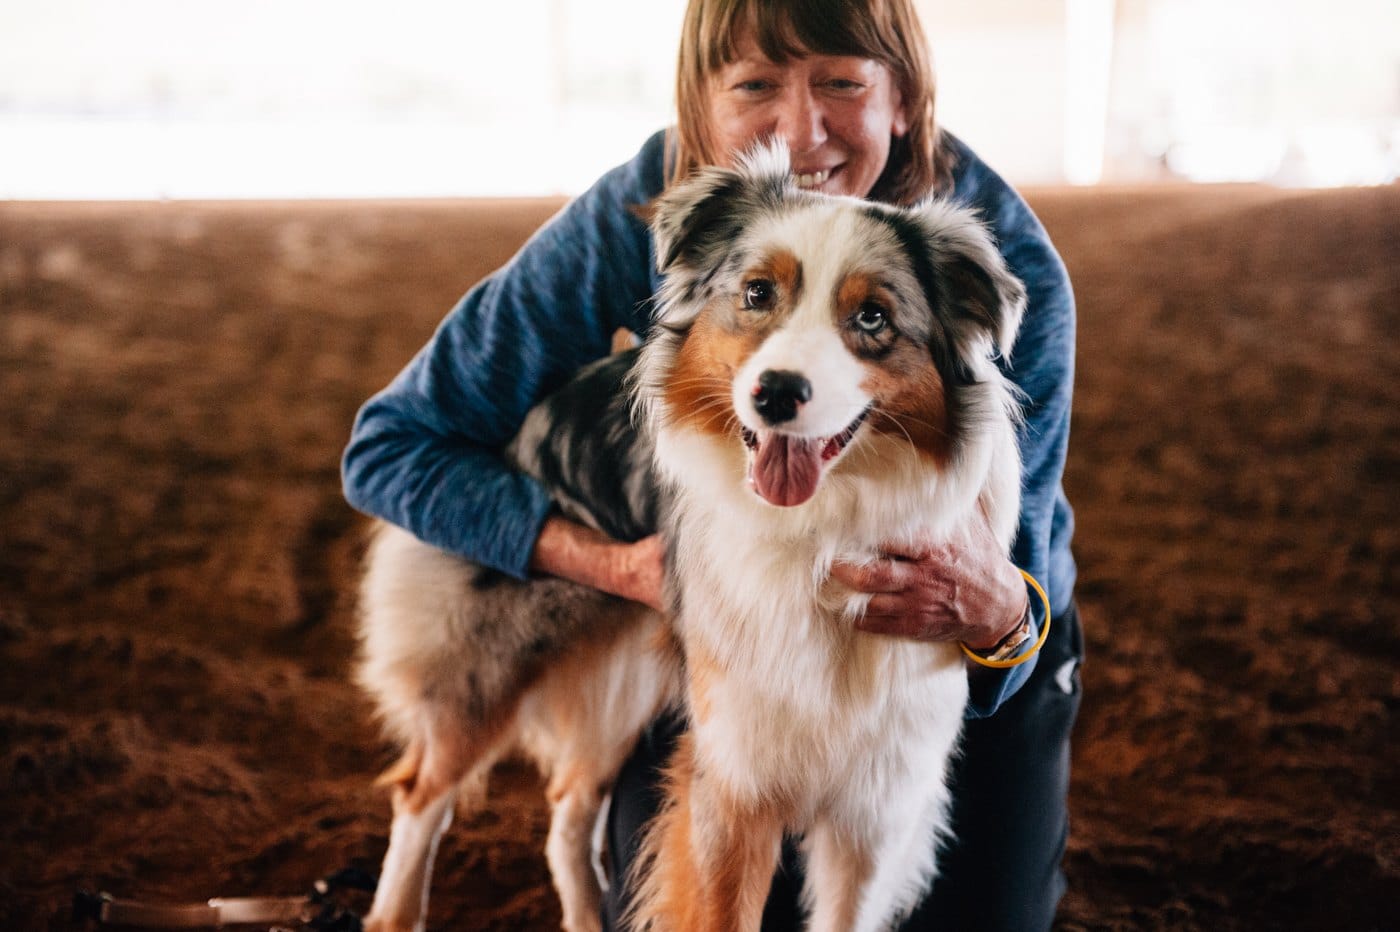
column 716, row 410
column 893, row 419
column 712, row 380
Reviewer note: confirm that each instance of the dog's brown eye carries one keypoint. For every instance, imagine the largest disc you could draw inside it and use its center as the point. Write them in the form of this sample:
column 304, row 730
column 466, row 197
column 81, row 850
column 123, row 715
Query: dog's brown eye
column 871, row 318
column 758, row 294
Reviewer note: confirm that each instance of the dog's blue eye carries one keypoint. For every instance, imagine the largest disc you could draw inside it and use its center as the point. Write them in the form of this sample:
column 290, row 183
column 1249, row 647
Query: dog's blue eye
column 758, row 295
column 871, row 318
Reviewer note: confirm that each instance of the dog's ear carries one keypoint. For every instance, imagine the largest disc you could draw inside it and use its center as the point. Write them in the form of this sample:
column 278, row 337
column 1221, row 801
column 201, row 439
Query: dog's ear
column 696, row 221
column 695, row 218
column 983, row 301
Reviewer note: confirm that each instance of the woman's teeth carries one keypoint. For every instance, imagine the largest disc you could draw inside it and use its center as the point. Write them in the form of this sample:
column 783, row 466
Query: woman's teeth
column 813, row 180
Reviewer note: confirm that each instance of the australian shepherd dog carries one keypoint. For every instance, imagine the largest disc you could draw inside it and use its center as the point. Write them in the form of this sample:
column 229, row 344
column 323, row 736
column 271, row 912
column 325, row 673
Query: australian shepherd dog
column 819, row 383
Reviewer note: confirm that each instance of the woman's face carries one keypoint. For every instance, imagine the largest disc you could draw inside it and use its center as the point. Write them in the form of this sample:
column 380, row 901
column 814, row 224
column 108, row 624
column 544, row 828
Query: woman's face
column 836, row 114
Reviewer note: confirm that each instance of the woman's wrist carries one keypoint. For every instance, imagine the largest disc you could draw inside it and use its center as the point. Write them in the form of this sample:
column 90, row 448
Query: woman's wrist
column 1017, row 647
column 1007, row 621
column 572, row 551
column 1010, row 643
column 580, row 554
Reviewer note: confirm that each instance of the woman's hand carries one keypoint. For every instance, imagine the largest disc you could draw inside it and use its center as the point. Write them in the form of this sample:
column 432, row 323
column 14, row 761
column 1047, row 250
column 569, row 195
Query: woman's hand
column 575, row 552
column 963, row 590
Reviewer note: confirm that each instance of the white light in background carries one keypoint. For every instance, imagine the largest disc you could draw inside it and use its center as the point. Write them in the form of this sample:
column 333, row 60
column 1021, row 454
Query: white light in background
column 347, row 98
column 326, row 98
column 1088, row 66
column 1287, row 92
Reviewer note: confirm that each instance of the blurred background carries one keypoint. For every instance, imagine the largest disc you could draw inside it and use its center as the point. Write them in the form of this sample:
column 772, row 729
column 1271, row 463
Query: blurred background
column 423, row 98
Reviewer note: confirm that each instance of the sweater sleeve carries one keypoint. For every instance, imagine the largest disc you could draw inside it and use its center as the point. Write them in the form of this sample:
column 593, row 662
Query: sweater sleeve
column 1041, row 365
column 424, row 453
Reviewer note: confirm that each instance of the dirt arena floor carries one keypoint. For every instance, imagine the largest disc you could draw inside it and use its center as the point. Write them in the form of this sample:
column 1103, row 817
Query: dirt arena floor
column 176, row 720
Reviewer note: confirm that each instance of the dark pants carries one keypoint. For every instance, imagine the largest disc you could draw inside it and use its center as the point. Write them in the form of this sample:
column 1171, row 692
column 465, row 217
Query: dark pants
column 1010, row 812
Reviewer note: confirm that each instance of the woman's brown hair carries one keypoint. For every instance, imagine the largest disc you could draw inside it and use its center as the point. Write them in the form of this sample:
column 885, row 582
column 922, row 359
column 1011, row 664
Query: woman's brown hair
column 887, row 31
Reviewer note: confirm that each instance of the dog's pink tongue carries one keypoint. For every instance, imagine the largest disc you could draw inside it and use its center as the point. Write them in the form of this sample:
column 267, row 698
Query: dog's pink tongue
column 786, row 469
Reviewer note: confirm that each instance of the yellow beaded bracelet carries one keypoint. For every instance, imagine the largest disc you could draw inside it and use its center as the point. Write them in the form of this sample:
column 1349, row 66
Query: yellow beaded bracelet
column 1035, row 648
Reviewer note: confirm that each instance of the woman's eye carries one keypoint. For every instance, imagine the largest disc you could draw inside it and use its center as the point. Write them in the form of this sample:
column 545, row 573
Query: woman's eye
column 758, row 295
column 871, row 318
column 754, row 86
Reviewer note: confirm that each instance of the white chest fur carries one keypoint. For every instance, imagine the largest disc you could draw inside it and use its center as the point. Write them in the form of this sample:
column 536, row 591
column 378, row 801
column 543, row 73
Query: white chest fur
column 788, row 699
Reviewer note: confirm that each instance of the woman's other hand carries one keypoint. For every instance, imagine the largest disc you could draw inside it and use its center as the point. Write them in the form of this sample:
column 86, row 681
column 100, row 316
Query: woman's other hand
column 962, row 590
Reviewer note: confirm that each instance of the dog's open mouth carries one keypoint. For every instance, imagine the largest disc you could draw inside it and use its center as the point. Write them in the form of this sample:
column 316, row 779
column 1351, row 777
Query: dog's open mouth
column 784, row 470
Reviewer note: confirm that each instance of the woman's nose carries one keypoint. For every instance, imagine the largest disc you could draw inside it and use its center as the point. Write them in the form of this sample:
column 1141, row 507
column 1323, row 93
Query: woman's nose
column 800, row 120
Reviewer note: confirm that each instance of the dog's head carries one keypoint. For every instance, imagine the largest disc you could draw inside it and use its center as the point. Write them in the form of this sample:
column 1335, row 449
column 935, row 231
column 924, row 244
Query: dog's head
column 795, row 324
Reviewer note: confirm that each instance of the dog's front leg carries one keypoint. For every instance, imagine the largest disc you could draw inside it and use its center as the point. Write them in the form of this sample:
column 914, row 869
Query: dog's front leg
column 710, row 856
column 737, row 848
column 401, row 899
column 839, row 870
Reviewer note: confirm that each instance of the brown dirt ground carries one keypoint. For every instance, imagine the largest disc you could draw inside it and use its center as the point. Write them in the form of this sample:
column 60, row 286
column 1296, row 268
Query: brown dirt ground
column 176, row 721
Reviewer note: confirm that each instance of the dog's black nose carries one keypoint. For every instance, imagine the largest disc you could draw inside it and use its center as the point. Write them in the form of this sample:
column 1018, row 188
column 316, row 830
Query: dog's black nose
column 778, row 394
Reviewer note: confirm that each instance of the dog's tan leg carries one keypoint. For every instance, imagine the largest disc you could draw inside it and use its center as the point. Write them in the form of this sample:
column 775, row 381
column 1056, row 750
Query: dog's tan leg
column 575, row 802
column 737, row 849
column 838, row 877
column 710, row 858
column 426, row 786
column 579, row 722
column 401, row 899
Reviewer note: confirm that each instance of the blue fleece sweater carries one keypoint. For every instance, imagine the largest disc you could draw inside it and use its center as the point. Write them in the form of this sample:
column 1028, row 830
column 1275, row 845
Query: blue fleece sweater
column 424, row 452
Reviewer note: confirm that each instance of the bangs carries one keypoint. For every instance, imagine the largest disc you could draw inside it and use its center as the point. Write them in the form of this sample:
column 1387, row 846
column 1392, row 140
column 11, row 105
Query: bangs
column 789, row 30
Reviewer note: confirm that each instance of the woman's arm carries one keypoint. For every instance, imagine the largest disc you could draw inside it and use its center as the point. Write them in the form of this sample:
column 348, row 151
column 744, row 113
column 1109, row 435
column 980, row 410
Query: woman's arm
column 424, row 452
column 1042, row 367
column 572, row 551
